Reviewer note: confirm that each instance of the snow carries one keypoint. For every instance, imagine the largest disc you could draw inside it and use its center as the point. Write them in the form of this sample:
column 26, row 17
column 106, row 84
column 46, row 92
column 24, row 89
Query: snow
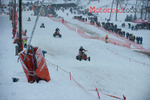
column 112, row 70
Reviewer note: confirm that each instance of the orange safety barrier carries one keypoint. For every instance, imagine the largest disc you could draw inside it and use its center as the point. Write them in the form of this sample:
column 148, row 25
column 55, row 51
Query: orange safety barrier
column 69, row 27
column 126, row 44
column 113, row 41
column 72, row 78
column 34, row 65
column 128, row 58
column 129, row 43
column 82, row 33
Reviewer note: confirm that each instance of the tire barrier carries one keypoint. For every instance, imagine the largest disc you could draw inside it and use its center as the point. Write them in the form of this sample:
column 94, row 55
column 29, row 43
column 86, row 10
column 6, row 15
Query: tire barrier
column 78, row 84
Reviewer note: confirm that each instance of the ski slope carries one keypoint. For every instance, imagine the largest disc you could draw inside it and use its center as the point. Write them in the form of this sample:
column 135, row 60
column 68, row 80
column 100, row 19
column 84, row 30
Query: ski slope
column 112, row 69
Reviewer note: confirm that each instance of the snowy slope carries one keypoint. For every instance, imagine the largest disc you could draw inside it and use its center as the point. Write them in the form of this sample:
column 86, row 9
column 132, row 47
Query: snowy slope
column 102, row 16
column 112, row 69
column 110, row 79
column 58, row 88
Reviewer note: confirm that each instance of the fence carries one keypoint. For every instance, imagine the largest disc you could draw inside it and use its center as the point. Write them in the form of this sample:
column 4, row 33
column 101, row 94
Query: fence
column 73, row 79
column 113, row 41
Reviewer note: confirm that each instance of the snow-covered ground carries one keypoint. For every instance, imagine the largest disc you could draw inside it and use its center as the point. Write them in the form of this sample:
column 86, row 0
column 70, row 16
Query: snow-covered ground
column 110, row 73
column 112, row 70
column 97, row 32
column 60, row 87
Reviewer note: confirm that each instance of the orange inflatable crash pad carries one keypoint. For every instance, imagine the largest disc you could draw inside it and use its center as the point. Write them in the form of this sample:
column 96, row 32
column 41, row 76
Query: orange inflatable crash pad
column 34, row 65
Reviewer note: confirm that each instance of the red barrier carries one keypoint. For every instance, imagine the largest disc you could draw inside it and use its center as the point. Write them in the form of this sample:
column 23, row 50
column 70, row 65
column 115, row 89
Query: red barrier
column 98, row 93
column 33, row 72
column 64, row 23
column 113, row 41
column 124, row 98
column 92, row 23
column 112, row 96
column 78, row 83
column 68, row 26
column 70, row 75
column 72, row 78
column 82, row 33
column 57, row 67
column 62, row 20
column 119, row 43
column 127, row 42
column 128, row 58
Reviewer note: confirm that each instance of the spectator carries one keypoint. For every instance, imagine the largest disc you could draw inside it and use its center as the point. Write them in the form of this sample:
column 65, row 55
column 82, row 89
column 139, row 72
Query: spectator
column 25, row 43
column 132, row 27
column 106, row 38
column 137, row 39
column 136, row 27
column 141, row 40
column 129, row 25
column 127, row 35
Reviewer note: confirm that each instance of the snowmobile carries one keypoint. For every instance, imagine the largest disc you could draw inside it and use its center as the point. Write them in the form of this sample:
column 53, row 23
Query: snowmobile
column 57, row 34
column 83, row 56
column 42, row 25
column 29, row 19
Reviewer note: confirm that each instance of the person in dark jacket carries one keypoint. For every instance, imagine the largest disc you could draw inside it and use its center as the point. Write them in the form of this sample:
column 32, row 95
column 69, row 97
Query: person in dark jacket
column 137, row 39
column 141, row 40
column 81, row 50
column 44, row 52
column 127, row 35
column 129, row 25
column 57, row 31
column 132, row 27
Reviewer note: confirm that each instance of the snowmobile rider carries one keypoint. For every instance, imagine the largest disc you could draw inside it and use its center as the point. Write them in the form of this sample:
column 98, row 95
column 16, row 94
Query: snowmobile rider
column 57, row 30
column 81, row 50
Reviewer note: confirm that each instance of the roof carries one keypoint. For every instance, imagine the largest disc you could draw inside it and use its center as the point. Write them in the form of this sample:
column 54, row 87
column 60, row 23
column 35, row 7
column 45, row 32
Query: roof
column 148, row 20
column 139, row 20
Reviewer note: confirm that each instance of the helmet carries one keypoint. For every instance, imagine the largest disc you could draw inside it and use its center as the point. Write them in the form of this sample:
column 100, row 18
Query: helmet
column 81, row 47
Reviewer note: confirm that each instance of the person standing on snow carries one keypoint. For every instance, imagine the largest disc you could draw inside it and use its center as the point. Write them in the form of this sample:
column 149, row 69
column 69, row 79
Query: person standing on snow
column 132, row 27
column 106, row 38
column 25, row 43
column 141, row 40
column 129, row 25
